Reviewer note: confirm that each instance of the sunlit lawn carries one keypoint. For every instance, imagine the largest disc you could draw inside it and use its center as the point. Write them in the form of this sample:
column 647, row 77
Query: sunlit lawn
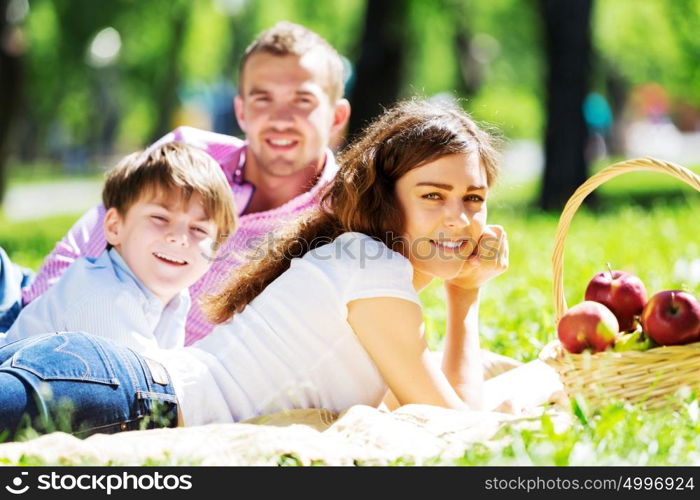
column 646, row 224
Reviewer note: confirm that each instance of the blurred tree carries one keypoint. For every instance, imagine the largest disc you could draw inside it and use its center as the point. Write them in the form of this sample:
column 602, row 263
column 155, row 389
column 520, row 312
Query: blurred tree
column 652, row 41
column 617, row 88
column 470, row 65
column 568, row 46
column 494, row 60
column 83, row 84
column 684, row 16
column 11, row 48
column 168, row 78
column 243, row 28
column 379, row 68
column 492, row 53
column 63, row 87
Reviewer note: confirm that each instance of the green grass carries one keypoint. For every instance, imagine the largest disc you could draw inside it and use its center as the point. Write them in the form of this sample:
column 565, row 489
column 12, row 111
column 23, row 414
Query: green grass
column 47, row 171
column 616, row 434
column 645, row 225
column 28, row 242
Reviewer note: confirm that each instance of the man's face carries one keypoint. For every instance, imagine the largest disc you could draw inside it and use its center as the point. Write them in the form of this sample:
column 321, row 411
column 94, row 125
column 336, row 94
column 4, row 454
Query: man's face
column 286, row 113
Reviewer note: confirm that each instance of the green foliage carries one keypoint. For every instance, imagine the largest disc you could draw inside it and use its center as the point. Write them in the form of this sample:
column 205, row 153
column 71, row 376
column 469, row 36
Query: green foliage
column 515, row 112
column 338, row 21
column 206, row 43
column 516, row 27
column 289, row 460
column 509, row 95
column 431, row 65
column 620, row 35
column 654, row 40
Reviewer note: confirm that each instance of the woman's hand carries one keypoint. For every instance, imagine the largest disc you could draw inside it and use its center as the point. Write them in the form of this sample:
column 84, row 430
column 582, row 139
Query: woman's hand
column 488, row 260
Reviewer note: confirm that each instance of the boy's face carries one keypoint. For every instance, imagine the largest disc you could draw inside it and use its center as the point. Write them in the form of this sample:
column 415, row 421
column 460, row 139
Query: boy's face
column 166, row 243
column 286, row 113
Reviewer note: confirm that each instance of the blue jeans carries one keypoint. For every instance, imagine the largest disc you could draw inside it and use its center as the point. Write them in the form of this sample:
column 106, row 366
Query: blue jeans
column 82, row 384
column 12, row 279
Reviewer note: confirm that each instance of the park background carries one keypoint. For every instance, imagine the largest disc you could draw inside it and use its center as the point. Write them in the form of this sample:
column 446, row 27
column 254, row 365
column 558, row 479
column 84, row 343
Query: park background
column 572, row 86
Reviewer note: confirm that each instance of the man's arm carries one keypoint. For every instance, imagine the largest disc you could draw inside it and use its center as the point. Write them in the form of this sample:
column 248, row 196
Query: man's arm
column 85, row 239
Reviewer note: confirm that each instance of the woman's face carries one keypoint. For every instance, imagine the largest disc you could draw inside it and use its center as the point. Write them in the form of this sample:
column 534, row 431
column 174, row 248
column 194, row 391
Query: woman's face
column 444, row 206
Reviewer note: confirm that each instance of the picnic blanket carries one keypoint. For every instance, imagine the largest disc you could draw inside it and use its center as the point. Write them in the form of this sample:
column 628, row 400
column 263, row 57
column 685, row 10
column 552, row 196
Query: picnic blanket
column 361, row 435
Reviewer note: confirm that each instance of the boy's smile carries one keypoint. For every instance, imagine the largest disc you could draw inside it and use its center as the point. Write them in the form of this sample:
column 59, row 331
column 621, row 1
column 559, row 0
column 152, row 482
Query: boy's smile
column 170, row 260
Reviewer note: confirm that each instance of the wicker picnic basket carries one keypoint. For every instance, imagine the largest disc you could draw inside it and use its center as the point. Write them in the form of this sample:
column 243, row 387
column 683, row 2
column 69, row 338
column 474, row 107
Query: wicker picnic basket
column 650, row 378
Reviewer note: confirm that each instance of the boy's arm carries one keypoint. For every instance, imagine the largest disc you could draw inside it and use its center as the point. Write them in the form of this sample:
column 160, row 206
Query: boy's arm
column 85, row 239
column 53, row 310
column 35, row 319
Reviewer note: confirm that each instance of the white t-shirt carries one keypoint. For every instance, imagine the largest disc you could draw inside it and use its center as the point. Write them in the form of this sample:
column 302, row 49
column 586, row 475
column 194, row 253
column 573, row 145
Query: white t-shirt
column 292, row 346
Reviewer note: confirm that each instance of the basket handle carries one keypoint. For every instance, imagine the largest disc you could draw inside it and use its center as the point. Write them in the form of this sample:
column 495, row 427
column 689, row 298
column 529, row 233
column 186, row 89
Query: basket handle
column 640, row 164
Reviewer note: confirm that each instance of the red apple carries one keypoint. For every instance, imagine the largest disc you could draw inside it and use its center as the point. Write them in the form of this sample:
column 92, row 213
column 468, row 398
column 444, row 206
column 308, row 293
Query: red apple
column 672, row 317
column 588, row 324
column 623, row 293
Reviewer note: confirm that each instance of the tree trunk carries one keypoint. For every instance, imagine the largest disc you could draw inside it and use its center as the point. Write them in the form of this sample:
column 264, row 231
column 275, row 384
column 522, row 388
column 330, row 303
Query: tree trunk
column 567, row 42
column 167, row 97
column 618, row 91
column 380, row 65
column 243, row 31
column 471, row 70
column 10, row 87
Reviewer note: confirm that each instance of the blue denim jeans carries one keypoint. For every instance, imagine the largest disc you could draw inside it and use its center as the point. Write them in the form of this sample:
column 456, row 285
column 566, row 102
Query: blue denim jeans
column 12, row 279
column 82, row 384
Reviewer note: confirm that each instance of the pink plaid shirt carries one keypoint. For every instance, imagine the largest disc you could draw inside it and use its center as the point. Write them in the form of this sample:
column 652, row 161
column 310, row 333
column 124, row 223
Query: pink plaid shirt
column 86, row 237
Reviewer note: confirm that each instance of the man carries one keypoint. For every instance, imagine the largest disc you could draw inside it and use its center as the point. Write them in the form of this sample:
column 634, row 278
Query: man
column 290, row 105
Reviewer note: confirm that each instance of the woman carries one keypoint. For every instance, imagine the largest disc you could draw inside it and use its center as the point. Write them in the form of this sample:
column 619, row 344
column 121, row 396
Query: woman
column 327, row 317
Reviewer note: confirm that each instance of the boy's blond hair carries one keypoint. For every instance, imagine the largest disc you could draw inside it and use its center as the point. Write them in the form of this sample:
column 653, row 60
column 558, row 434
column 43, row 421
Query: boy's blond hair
column 285, row 39
column 172, row 168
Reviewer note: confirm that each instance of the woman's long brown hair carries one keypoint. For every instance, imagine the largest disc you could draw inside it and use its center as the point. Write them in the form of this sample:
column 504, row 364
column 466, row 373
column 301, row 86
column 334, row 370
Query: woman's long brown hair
column 362, row 196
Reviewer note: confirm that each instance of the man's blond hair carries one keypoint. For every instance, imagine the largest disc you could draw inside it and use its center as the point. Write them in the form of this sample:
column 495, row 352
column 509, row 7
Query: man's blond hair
column 285, row 39
column 173, row 168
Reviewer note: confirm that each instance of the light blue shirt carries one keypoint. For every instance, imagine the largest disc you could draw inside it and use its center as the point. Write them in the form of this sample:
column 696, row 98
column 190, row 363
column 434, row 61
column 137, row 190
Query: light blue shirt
column 102, row 296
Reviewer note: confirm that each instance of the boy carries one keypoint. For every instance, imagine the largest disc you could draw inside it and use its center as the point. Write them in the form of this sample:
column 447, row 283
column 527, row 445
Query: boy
column 167, row 211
